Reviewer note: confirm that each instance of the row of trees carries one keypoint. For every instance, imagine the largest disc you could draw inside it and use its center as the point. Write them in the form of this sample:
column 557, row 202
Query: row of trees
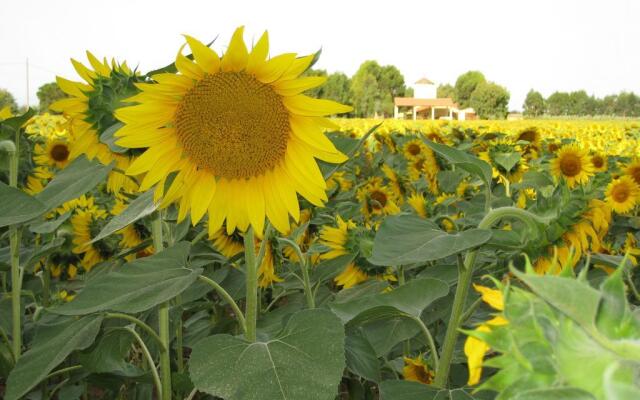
column 47, row 94
column 579, row 103
column 488, row 99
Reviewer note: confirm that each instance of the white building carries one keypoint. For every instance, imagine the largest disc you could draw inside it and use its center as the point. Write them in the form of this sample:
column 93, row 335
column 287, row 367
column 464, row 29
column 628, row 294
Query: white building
column 425, row 104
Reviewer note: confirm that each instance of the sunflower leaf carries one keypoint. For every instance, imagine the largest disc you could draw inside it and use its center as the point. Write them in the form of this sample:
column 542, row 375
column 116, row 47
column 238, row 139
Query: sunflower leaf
column 136, row 286
column 304, row 362
column 17, row 207
column 108, row 137
column 138, row 208
column 466, row 161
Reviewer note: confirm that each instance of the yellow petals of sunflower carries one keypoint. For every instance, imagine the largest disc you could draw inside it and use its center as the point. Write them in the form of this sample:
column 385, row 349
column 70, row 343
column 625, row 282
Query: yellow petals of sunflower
column 206, row 58
column 493, row 297
column 194, row 122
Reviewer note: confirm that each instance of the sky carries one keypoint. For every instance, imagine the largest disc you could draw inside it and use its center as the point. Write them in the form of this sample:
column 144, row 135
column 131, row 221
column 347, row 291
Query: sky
column 546, row 45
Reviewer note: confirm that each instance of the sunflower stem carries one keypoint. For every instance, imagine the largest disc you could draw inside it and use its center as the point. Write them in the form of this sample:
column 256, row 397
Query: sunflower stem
column 251, row 311
column 465, row 273
column 14, row 243
column 227, row 297
column 163, row 316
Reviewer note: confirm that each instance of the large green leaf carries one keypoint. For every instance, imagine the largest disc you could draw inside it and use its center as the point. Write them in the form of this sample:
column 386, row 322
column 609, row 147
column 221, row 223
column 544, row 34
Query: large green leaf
column 45, row 355
column 407, row 239
column 466, row 161
column 411, row 298
column 138, row 208
column 109, row 354
column 49, row 226
column 79, row 177
column 304, row 362
column 407, row 390
column 17, row 207
column 361, row 357
column 136, row 286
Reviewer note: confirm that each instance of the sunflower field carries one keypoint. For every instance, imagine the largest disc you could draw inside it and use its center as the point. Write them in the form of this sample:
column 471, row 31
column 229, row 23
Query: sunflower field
column 205, row 230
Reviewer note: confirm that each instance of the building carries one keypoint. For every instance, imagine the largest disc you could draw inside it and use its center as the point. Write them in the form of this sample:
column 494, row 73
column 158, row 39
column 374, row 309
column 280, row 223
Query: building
column 425, row 104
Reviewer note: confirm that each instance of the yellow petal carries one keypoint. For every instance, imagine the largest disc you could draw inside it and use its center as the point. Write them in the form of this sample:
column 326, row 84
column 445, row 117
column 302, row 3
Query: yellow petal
column 293, row 87
column 201, row 195
column 84, row 72
column 274, row 68
column 235, row 59
column 146, row 138
column 298, row 66
column 259, row 53
column 98, row 66
column 72, row 88
column 493, row 297
column 206, row 58
column 304, row 105
column 187, row 67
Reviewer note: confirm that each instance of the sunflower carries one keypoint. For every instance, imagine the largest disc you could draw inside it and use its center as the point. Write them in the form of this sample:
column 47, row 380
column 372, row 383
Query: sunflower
column 350, row 276
column 267, row 271
column 229, row 245
column 133, row 234
column 5, row 113
column 340, row 241
column 237, row 131
column 376, row 199
column 622, row 194
column 599, row 162
column 502, row 154
column 633, row 170
column 86, row 225
column 414, row 149
column 37, row 180
column 418, row 203
column 416, row 370
column 474, row 348
column 55, row 153
column 573, row 164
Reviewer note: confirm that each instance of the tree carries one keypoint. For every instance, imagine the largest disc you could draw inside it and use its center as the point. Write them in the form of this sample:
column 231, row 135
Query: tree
column 465, row 85
column 490, row 101
column 337, row 88
column 534, row 104
column 578, row 101
column 7, row 99
column 49, row 93
column 558, row 103
column 373, row 88
column 627, row 105
column 446, row 90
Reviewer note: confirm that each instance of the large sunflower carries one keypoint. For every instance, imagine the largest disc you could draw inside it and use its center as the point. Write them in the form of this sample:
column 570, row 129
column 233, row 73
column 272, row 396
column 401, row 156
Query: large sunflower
column 622, row 194
column 574, row 164
column 238, row 131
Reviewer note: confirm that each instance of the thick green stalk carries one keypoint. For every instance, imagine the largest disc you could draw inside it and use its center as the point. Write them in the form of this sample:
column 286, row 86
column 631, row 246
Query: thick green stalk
column 251, row 308
column 465, row 273
column 163, row 316
column 304, row 267
column 14, row 243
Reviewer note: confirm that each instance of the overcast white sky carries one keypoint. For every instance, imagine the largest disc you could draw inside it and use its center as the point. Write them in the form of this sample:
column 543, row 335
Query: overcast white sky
column 543, row 44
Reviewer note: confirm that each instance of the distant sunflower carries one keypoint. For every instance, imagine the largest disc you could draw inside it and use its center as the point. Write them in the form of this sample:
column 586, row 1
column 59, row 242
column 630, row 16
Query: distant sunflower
column 622, row 194
column 414, row 149
column 599, row 162
column 418, row 203
column 633, row 170
column 5, row 113
column 227, row 245
column 238, row 132
column 86, row 225
column 416, row 370
column 376, row 199
column 55, row 153
column 573, row 164
column 340, row 240
column 267, row 270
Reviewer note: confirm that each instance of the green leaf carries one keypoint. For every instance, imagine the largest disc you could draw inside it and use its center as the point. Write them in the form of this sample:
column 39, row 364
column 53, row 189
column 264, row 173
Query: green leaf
column 18, row 121
column 408, row 390
column 361, row 357
column 304, row 362
column 578, row 301
column 108, row 137
column 17, row 207
column 411, row 298
column 466, row 161
column 79, row 177
column 614, row 313
column 109, row 355
column 138, row 208
column 136, row 286
column 35, row 256
column 554, row 394
column 331, row 268
column 407, row 239
column 44, row 356
column 49, row 225
column 507, row 160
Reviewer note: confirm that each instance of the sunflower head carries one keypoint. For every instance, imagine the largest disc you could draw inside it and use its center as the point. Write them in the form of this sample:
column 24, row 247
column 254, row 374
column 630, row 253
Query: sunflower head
column 622, row 194
column 55, row 153
column 416, row 370
column 573, row 164
column 599, row 162
column 633, row 170
column 237, row 132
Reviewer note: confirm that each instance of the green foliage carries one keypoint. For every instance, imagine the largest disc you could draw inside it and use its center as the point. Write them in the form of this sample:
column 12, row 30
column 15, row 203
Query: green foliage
column 373, row 88
column 534, row 104
column 490, row 100
column 566, row 337
column 48, row 94
column 17, row 207
column 303, row 362
column 465, row 85
column 7, row 99
column 446, row 90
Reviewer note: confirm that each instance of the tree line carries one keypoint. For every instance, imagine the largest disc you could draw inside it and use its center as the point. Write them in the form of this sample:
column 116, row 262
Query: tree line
column 372, row 88
column 579, row 103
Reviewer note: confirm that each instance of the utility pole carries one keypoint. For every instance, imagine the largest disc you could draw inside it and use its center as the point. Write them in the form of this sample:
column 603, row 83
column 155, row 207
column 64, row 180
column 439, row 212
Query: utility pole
column 27, row 82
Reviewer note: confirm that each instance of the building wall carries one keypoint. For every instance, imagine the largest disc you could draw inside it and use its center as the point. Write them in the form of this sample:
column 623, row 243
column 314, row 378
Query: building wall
column 424, row 91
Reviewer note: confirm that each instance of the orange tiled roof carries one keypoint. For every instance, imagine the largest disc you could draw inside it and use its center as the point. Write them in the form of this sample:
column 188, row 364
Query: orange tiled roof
column 424, row 81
